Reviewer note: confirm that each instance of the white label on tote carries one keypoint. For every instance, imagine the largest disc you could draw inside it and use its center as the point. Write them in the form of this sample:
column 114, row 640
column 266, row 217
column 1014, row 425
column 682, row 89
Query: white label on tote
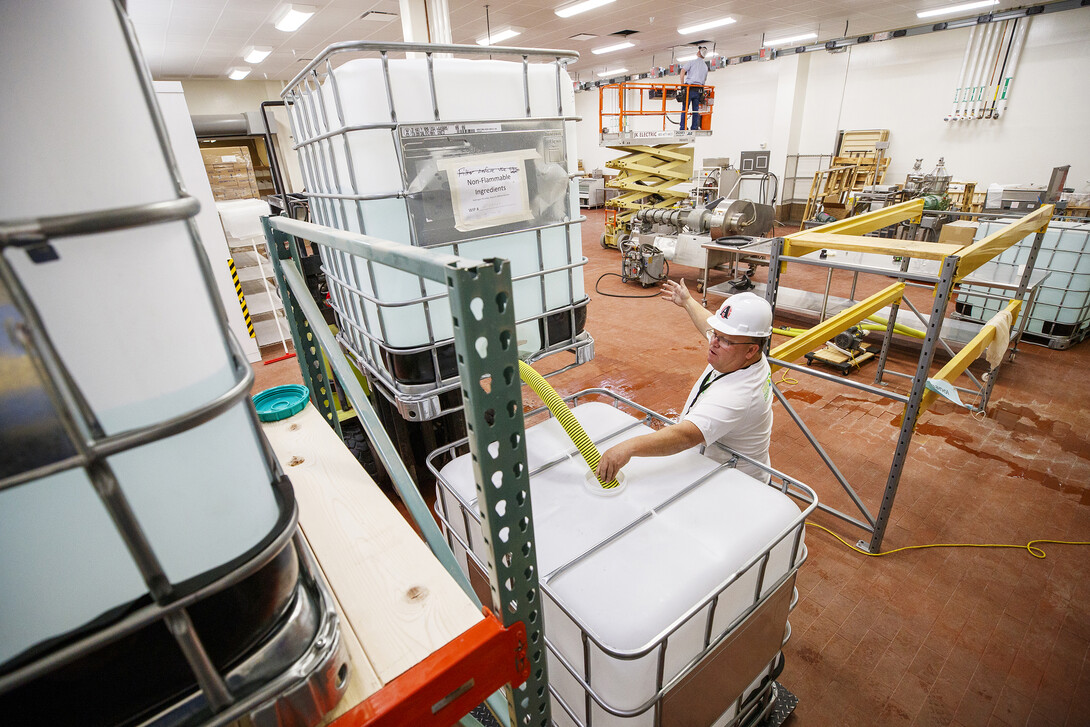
column 487, row 190
column 412, row 132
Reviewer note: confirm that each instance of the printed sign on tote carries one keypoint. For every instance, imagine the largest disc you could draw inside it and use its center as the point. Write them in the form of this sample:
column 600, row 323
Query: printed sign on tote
column 489, row 189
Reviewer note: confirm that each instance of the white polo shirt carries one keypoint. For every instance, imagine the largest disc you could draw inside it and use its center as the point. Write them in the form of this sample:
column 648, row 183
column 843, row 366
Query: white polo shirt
column 734, row 409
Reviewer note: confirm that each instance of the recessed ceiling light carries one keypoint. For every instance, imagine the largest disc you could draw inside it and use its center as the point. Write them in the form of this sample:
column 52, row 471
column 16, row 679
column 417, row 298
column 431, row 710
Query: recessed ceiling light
column 238, row 73
column 499, row 36
column 378, row 16
column 291, row 17
column 789, row 39
column 614, row 72
column 705, row 26
column 583, row 36
column 956, row 8
column 611, row 48
column 566, row 11
column 256, row 53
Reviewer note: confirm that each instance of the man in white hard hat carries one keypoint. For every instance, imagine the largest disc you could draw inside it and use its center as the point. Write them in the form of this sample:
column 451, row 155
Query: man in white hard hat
column 731, row 402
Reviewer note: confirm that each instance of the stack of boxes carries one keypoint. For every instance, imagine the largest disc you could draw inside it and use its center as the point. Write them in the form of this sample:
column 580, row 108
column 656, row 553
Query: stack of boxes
column 230, row 172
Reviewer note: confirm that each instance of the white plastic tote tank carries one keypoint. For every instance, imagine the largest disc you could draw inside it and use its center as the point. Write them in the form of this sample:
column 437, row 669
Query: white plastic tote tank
column 481, row 169
column 645, row 575
column 133, row 320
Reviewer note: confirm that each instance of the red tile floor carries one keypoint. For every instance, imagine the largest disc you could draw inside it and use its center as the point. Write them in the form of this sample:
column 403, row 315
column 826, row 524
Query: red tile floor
column 925, row 637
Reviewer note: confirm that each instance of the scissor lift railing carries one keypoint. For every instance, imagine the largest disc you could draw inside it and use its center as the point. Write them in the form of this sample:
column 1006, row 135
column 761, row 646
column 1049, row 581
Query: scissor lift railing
column 486, row 350
column 644, row 108
column 955, row 263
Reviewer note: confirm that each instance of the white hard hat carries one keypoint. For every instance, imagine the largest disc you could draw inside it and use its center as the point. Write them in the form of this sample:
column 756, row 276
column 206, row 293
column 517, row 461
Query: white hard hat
column 743, row 314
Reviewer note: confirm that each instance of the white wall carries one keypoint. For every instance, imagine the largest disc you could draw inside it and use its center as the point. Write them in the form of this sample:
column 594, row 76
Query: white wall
column 797, row 104
column 236, row 97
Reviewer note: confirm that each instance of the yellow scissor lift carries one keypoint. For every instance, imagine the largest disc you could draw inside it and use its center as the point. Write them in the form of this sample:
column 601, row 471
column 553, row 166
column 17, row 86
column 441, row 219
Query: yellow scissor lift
column 633, row 119
column 954, row 263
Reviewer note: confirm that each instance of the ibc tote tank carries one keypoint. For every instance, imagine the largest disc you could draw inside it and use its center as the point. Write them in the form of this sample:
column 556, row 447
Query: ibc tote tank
column 467, row 156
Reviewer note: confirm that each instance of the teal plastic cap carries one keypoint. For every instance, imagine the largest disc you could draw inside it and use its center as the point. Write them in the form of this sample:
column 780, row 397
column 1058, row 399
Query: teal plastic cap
column 281, row 402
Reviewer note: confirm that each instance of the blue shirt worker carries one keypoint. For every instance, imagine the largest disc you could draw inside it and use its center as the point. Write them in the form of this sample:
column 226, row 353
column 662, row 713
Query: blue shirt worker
column 730, row 403
column 695, row 73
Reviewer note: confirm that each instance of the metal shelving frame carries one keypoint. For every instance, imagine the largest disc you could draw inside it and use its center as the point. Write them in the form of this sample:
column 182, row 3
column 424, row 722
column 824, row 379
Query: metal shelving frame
column 955, row 264
column 486, row 351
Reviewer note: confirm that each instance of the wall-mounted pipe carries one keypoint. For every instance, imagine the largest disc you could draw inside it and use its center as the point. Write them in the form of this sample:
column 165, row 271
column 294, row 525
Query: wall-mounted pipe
column 993, row 90
column 974, row 72
column 981, row 71
column 993, row 69
column 1012, row 66
column 964, row 67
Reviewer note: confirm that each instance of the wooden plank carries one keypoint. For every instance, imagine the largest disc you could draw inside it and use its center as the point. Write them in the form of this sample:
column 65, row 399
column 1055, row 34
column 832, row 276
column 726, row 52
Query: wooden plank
column 812, row 240
column 975, row 255
column 971, row 352
column 398, row 600
column 822, row 332
column 362, row 679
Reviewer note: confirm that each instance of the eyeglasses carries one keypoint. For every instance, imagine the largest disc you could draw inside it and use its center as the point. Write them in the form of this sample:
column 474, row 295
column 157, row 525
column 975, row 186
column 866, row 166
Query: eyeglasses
column 714, row 337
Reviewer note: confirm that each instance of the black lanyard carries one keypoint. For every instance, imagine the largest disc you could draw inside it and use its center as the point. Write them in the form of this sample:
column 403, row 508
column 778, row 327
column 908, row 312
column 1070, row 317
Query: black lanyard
column 704, row 386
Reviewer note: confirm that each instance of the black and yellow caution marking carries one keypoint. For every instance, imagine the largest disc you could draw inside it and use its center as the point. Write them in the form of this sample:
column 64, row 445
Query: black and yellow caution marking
column 241, row 298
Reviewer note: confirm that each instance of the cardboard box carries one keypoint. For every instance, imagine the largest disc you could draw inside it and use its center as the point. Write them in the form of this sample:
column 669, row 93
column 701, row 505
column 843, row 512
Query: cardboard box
column 958, row 233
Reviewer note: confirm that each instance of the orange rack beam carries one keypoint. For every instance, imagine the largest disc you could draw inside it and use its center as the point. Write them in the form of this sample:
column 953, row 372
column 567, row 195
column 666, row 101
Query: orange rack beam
column 450, row 682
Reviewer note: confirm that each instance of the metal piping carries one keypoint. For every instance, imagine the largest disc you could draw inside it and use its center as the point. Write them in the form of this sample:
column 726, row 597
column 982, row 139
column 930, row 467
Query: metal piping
column 985, row 75
column 1012, row 67
column 985, row 49
column 961, row 76
column 994, row 91
column 993, row 75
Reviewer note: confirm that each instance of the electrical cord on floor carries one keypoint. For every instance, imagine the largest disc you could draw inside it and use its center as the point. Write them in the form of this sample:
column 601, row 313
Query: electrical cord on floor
column 1030, row 546
column 786, row 380
column 616, row 295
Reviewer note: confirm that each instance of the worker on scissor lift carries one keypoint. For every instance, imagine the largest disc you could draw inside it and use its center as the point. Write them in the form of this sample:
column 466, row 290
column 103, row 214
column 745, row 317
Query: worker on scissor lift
column 694, row 73
column 731, row 403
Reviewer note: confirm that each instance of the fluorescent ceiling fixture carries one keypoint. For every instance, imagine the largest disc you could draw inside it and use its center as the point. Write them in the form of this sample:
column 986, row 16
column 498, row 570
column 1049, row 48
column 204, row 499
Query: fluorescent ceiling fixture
column 292, row 17
column 237, row 74
column 611, row 48
column 790, row 39
column 566, row 11
column 614, row 72
column 256, row 53
column 499, row 36
column 956, row 8
column 708, row 25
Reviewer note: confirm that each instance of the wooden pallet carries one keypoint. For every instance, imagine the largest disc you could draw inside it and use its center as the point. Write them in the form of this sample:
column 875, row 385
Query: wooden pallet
column 830, row 186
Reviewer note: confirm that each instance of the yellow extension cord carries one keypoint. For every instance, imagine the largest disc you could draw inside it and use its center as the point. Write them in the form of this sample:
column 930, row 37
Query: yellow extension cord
column 563, row 414
column 1030, row 546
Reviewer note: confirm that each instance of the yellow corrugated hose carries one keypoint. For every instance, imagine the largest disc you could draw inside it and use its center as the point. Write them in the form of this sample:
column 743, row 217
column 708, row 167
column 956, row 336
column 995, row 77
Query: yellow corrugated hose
column 563, row 414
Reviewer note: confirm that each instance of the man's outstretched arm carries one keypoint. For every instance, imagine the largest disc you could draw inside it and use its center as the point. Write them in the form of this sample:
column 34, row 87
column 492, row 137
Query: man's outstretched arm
column 666, row 441
column 678, row 294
